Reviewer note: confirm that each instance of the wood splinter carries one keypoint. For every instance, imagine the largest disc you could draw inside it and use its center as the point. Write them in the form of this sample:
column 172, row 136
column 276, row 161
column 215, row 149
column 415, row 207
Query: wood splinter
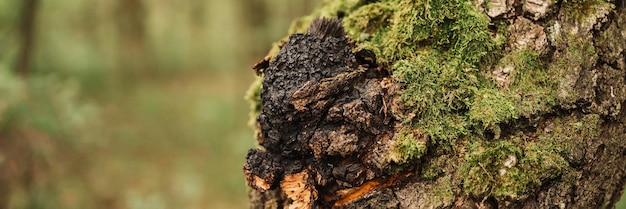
column 354, row 194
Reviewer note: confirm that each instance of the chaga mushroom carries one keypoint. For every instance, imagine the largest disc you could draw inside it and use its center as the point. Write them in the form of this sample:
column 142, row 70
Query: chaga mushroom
column 324, row 107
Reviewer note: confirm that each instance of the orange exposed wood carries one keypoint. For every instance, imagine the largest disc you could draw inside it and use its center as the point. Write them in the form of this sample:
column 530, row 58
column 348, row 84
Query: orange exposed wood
column 299, row 189
column 357, row 193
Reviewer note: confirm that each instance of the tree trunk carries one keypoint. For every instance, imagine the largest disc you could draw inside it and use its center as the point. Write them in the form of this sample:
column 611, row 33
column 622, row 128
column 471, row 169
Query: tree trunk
column 27, row 35
column 444, row 104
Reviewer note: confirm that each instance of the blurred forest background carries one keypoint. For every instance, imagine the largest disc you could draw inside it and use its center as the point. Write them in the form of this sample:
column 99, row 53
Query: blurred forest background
column 130, row 103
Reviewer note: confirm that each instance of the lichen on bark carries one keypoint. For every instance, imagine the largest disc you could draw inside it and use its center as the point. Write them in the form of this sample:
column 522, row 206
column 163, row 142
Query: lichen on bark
column 494, row 104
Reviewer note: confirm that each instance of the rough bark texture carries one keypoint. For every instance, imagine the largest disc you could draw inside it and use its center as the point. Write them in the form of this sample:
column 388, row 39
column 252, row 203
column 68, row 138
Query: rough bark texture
column 444, row 104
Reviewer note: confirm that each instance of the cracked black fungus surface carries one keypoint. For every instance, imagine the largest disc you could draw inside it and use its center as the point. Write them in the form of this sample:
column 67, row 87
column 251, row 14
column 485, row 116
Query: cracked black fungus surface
column 322, row 110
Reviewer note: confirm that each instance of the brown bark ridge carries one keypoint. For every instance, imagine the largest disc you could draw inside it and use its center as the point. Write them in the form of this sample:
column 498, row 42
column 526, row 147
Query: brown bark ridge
column 460, row 104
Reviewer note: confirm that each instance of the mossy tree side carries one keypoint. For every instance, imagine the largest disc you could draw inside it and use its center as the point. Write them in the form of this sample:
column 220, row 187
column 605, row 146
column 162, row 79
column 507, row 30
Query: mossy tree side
column 493, row 104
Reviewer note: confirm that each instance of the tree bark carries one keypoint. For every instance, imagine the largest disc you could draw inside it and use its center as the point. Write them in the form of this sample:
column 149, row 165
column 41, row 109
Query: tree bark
column 27, row 35
column 444, row 104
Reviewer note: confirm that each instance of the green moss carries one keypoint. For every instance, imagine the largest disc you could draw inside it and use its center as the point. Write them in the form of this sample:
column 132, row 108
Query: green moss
column 506, row 170
column 512, row 168
column 572, row 128
column 542, row 161
column 568, row 135
column 491, row 107
column 580, row 52
column 480, row 173
column 579, row 55
column 453, row 28
column 434, row 92
column 409, row 145
column 442, row 192
column 576, row 48
column 581, row 9
column 369, row 21
column 433, row 48
column 529, row 83
column 331, row 8
column 434, row 167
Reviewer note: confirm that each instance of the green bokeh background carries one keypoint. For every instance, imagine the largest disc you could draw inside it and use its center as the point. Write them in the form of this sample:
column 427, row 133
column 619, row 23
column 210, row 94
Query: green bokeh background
column 132, row 103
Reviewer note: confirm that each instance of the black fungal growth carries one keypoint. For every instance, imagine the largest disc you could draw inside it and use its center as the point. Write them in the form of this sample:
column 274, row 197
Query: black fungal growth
column 304, row 58
column 321, row 103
